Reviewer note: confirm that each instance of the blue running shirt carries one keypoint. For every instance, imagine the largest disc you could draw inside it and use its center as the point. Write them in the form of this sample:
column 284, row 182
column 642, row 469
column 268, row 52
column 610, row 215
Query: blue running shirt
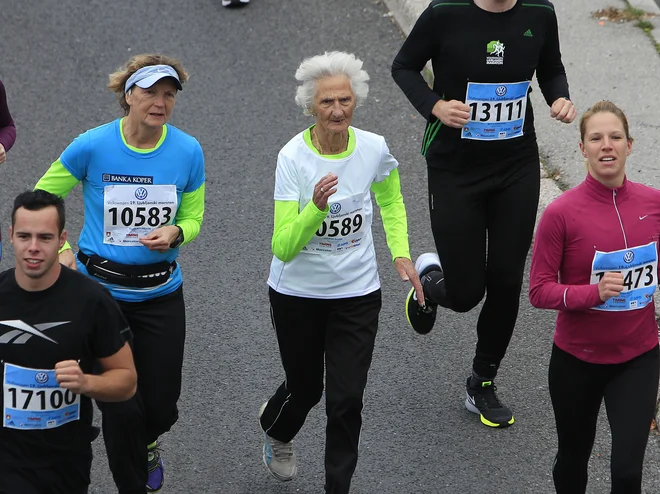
column 116, row 180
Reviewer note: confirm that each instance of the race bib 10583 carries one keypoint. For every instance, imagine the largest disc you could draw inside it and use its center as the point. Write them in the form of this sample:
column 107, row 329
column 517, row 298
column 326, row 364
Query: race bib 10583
column 132, row 211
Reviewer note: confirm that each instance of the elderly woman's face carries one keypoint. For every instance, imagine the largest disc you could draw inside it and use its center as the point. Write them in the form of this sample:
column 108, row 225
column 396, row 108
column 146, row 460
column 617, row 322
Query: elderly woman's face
column 153, row 105
column 334, row 103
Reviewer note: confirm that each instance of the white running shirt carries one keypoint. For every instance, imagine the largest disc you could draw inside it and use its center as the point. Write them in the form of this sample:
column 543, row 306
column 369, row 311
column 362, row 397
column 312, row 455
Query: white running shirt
column 340, row 260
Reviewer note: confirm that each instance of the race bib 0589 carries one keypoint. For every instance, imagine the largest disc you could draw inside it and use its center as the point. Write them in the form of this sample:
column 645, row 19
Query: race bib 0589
column 342, row 229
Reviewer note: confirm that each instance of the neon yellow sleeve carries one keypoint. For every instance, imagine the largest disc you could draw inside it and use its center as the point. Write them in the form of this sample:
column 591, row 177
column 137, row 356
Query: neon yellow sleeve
column 190, row 214
column 393, row 211
column 293, row 230
column 59, row 181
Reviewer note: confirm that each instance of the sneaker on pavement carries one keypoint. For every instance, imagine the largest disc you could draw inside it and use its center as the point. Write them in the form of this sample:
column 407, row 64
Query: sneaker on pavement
column 420, row 318
column 234, row 3
column 278, row 456
column 482, row 400
column 155, row 469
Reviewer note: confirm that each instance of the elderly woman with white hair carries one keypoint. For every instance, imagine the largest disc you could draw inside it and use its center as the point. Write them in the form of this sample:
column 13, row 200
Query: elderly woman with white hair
column 324, row 287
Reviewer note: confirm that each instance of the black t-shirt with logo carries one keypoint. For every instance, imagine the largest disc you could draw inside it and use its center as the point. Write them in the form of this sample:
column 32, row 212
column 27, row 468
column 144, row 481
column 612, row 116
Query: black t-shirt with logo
column 74, row 319
column 468, row 44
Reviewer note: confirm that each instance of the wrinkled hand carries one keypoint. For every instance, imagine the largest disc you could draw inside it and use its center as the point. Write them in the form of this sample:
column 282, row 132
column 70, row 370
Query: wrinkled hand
column 452, row 113
column 70, row 376
column 610, row 285
column 323, row 190
column 68, row 259
column 406, row 270
column 160, row 239
column 563, row 110
column 3, row 154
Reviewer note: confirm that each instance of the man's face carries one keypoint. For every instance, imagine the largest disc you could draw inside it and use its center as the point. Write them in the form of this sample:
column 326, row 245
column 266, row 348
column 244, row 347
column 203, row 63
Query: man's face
column 36, row 239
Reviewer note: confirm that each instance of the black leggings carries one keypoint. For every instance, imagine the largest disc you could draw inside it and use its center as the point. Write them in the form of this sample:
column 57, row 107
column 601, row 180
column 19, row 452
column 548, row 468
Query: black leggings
column 339, row 333
column 499, row 200
column 159, row 333
column 577, row 389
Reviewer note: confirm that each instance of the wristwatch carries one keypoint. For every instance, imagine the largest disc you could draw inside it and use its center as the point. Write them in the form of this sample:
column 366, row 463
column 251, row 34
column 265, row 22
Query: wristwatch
column 178, row 240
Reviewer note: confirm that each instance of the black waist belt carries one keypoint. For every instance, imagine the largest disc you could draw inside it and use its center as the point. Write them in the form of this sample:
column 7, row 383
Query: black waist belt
column 142, row 276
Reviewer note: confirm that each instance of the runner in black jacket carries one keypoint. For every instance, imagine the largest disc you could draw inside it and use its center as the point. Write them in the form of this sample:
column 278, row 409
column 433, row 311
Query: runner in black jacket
column 483, row 163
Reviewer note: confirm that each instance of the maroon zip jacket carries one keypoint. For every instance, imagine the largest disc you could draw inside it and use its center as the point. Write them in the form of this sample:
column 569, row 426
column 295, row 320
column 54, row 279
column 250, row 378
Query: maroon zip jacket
column 581, row 221
column 7, row 127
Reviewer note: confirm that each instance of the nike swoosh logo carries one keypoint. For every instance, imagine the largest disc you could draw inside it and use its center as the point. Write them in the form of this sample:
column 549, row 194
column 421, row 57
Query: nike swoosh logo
column 642, row 217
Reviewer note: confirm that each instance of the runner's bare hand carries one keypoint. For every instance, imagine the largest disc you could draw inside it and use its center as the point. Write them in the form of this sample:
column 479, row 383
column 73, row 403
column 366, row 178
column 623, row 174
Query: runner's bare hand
column 323, row 190
column 563, row 110
column 161, row 238
column 452, row 113
column 68, row 259
column 407, row 271
column 70, row 376
column 610, row 285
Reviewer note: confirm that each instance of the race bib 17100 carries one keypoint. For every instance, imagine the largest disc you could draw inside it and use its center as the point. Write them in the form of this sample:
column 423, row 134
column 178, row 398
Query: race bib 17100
column 639, row 267
column 497, row 111
column 33, row 399
column 342, row 229
column 132, row 211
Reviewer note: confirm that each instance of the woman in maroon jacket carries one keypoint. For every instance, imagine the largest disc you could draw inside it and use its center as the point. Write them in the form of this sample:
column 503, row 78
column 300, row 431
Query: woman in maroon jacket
column 7, row 127
column 595, row 260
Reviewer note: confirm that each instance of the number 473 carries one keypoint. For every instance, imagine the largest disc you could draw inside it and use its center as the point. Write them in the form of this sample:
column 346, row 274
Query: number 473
column 633, row 277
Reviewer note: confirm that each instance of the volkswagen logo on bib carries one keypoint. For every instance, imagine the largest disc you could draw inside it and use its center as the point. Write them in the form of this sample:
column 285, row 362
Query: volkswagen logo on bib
column 500, row 90
column 141, row 193
column 628, row 257
column 335, row 208
column 41, row 377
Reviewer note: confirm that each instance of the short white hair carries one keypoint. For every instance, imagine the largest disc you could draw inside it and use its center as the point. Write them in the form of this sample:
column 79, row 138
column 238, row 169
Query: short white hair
column 330, row 64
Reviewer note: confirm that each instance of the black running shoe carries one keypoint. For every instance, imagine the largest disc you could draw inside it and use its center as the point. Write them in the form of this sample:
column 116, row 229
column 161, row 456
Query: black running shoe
column 421, row 318
column 482, row 400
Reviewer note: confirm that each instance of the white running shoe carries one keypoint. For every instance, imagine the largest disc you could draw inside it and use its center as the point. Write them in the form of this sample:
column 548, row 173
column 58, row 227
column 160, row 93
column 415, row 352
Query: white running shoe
column 278, row 456
column 234, row 3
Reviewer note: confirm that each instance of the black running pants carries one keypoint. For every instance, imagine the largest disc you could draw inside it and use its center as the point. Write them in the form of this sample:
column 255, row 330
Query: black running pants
column 341, row 333
column 159, row 332
column 577, row 389
column 483, row 218
column 68, row 475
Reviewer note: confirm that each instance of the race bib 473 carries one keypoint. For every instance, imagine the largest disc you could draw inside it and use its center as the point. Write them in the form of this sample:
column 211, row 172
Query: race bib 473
column 639, row 267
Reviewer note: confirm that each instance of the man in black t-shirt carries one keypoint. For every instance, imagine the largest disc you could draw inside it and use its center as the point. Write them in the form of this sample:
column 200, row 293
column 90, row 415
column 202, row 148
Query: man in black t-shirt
column 55, row 326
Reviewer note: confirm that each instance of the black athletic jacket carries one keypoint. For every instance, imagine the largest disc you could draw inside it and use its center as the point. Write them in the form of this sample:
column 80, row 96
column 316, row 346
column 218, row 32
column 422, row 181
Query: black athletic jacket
column 457, row 37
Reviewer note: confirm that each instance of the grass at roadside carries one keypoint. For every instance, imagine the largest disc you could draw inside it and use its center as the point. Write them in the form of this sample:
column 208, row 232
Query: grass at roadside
column 629, row 14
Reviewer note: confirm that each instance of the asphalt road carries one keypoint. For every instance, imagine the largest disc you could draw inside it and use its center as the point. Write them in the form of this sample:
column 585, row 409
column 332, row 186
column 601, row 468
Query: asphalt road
column 417, row 437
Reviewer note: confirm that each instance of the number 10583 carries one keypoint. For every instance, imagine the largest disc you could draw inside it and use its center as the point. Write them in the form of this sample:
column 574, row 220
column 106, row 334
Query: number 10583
column 140, row 216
